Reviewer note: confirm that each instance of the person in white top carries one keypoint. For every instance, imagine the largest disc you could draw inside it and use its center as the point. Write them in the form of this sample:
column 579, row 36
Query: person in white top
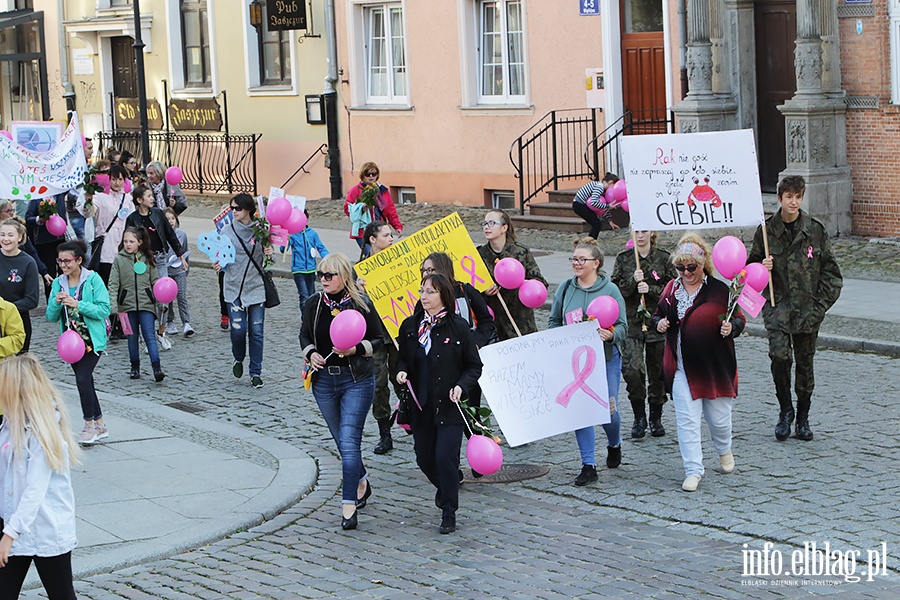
column 110, row 211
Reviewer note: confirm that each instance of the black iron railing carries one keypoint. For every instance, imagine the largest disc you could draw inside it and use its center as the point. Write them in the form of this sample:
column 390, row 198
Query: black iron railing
column 549, row 151
column 211, row 162
column 602, row 153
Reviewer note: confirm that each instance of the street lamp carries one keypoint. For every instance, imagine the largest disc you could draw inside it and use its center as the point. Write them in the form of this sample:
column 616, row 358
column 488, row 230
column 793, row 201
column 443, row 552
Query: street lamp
column 256, row 13
column 142, row 87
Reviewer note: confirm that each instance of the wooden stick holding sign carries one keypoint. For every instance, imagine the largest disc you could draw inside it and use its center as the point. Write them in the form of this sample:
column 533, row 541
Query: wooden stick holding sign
column 508, row 314
column 766, row 248
column 637, row 262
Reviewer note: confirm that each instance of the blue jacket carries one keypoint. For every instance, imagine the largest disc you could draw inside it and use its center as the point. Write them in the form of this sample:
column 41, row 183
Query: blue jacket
column 302, row 260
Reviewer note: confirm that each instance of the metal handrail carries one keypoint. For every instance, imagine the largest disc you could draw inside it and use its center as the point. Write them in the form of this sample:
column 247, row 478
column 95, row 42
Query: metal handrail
column 628, row 127
column 323, row 149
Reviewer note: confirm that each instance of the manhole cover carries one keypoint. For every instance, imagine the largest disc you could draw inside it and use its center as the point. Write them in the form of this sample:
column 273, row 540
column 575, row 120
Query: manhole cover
column 509, row 473
column 185, row 407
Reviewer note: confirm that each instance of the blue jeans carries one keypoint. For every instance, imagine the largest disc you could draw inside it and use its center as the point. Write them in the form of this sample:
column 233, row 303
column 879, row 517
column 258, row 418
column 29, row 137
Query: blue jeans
column 345, row 405
column 585, row 436
column 306, row 286
column 142, row 322
column 241, row 319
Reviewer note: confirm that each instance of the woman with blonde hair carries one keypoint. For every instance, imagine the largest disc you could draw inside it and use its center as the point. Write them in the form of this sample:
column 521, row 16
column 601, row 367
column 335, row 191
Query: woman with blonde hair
column 343, row 379
column 37, row 450
column 381, row 206
column 699, row 365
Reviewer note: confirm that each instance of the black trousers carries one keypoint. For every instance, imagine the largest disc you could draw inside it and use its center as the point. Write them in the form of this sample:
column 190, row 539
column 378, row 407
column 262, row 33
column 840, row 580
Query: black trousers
column 26, row 324
column 84, row 380
column 223, row 306
column 597, row 224
column 48, row 255
column 55, row 573
column 437, row 454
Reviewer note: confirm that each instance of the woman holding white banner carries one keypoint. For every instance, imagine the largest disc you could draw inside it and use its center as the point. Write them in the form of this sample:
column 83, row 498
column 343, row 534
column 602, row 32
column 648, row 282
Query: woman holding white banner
column 570, row 305
column 699, row 366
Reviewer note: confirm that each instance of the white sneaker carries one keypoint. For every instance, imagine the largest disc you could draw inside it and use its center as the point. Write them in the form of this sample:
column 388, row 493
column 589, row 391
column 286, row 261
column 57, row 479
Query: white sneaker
column 164, row 342
column 691, row 483
column 171, row 328
column 188, row 330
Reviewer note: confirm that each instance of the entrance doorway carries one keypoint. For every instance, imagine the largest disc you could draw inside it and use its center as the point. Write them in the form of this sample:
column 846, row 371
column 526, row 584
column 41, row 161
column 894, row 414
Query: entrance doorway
column 643, row 65
column 775, row 22
column 124, row 67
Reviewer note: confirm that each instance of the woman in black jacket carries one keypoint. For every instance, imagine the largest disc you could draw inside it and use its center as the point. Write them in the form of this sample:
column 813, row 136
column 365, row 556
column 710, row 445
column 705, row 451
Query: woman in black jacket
column 343, row 381
column 439, row 359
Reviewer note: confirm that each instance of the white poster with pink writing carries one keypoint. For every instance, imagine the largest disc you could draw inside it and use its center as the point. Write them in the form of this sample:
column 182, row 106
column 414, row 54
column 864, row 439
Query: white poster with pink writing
column 692, row 180
column 546, row 383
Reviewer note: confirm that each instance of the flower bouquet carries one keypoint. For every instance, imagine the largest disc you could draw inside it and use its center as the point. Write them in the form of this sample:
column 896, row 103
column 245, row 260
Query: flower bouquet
column 369, row 195
column 261, row 233
column 47, row 208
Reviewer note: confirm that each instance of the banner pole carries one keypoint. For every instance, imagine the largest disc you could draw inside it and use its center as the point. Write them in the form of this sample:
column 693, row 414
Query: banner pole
column 766, row 249
column 637, row 262
column 508, row 314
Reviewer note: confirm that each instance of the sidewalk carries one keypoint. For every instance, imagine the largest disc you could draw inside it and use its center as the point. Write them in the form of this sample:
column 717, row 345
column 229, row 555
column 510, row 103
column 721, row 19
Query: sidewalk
column 874, row 302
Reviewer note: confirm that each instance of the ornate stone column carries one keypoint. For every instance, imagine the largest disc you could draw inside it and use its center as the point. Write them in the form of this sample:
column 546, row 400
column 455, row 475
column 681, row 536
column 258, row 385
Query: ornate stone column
column 740, row 35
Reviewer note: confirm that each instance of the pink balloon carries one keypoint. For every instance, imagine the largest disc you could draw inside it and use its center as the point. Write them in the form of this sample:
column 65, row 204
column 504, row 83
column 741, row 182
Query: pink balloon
column 5, row 133
column 484, row 454
column 509, row 273
column 729, row 256
column 56, row 225
column 347, row 329
column 165, row 290
column 127, row 186
column 629, row 245
column 70, row 346
column 532, row 294
column 296, row 222
column 621, row 190
column 599, row 210
column 605, row 309
column 174, row 175
column 278, row 211
column 757, row 276
column 624, row 205
column 611, row 195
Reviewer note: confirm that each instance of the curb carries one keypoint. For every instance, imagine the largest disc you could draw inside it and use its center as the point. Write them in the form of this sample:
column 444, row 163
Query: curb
column 840, row 342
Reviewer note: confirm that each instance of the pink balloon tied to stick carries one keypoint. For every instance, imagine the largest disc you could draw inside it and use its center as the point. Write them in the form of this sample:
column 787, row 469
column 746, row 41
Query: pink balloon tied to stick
column 729, row 256
column 605, row 309
column 347, row 330
column 174, row 175
column 532, row 294
column 278, row 211
column 56, row 225
column 509, row 274
column 165, row 290
column 484, row 454
column 296, row 221
column 756, row 276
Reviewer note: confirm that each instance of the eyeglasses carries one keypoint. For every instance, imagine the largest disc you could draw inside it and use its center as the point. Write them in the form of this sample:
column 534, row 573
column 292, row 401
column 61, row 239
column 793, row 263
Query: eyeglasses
column 65, row 261
column 427, row 292
column 683, row 268
column 7, row 210
column 486, row 224
column 428, row 270
column 579, row 260
column 325, row 276
column 372, row 174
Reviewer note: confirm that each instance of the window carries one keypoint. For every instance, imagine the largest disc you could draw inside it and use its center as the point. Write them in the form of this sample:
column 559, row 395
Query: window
column 406, row 195
column 500, row 53
column 894, row 15
column 503, row 199
column 275, row 48
column 385, row 54
column 195, row 43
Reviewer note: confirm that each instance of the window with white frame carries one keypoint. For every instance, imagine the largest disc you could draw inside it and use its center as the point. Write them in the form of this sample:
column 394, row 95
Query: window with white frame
column 894, row 15
column 385, row 54
column 195, row 43
column 500, row 39
column 275, row 47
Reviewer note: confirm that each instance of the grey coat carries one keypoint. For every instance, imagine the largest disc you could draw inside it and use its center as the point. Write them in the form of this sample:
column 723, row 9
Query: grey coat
column 243, row 281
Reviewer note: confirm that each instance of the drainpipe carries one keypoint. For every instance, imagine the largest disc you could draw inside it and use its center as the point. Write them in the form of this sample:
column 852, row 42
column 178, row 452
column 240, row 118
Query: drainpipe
column 682, row 46
column 68, row 88
column 329, row 99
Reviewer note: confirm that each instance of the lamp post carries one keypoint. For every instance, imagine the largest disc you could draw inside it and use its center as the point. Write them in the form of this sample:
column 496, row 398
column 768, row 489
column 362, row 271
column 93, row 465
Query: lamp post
column 256, row 21
column 142, row 88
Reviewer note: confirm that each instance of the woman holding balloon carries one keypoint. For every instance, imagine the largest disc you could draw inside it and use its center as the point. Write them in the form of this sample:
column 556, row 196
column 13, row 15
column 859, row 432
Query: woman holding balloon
column 80, row 302
column 440, row 363
column 47, row 234
column 590, row 293
column 501, row 243
column 699, row 366
column 340, row 334
column 164, row 184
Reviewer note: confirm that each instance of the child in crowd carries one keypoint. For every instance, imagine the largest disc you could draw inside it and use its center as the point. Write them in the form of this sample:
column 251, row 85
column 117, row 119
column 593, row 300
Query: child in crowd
column 131, row 283
column 305, row 246
column 178, row 270
column 37, row 450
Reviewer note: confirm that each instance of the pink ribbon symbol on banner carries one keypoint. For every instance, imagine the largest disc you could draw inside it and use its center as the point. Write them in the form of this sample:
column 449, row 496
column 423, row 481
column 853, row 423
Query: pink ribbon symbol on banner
column 565, row 396
column 468, row 265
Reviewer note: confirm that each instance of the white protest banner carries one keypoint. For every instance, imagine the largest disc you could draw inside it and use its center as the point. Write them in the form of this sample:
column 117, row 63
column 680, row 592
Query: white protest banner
column 27, row 175
column 692, row 180
column 546, row 383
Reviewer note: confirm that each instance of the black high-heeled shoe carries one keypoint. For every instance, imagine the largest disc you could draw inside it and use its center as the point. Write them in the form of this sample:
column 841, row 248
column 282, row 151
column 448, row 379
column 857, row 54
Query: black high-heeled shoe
column 361, row 503
column 350, row 522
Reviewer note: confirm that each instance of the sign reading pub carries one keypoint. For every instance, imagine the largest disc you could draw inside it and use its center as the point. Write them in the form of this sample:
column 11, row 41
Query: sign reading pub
column 284, row 15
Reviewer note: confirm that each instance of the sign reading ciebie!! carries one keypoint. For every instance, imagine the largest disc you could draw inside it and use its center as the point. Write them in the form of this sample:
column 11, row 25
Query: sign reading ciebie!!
column 284, row 15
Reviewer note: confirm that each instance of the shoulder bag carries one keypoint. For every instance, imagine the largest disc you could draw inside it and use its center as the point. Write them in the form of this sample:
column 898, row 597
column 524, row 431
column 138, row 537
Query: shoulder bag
column 97, row 244
column 272, row 299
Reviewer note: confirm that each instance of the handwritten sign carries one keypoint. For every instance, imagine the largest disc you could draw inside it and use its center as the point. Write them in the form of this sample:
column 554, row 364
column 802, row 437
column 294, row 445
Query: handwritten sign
column 128, row 113
column 284, row 15
column 751, row 301
column 195, row 114
column 546, row 383
column 27, row 174
column 692, row 180
column 392, row 275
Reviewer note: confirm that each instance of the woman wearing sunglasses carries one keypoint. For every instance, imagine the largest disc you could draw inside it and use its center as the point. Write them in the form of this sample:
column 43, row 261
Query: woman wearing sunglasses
column 699, row 365
column 381, row 207
column 501, row 243
column 243, row 289
column 439, row 359
column 570, row 304
column 343, row 380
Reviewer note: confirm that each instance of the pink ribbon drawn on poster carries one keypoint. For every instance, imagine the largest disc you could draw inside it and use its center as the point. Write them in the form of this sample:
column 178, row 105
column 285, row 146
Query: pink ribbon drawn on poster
column 565, row 396
column 469, row 268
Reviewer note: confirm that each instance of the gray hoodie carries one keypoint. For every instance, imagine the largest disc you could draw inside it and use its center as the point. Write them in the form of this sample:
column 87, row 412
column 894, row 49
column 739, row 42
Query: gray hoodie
column 571, row 296
column 250, row 287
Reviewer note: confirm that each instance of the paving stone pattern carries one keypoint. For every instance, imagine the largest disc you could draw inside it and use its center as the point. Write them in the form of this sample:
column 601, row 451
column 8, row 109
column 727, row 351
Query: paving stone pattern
column 634, row 533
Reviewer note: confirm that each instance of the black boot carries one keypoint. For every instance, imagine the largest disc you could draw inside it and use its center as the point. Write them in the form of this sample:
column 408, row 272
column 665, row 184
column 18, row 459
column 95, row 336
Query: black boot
column 802, row 430
column 638, row 430
column 135, row 370
column 656, row 426
column 385, row 444
column 158, row 374
column 785, row 418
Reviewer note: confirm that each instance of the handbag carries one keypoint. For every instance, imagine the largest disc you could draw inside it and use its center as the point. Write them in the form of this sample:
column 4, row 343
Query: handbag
column 272, row 299
column 97, row 243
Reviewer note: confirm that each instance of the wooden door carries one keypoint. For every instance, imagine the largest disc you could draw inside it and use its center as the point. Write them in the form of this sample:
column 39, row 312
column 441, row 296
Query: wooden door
column 643, row 65
column 775, row 22
column 124, row 67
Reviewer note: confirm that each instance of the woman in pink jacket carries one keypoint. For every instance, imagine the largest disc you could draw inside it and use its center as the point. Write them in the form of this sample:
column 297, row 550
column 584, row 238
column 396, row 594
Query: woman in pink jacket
column 383, row 209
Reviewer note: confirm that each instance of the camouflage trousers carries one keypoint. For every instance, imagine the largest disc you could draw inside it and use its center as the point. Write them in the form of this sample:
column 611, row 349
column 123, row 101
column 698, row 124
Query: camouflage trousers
column 385, row 365
column 803, row 348
column 635, row 369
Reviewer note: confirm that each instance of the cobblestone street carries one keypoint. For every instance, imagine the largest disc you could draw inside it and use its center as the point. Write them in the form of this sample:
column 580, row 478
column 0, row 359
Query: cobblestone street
column 633, row 533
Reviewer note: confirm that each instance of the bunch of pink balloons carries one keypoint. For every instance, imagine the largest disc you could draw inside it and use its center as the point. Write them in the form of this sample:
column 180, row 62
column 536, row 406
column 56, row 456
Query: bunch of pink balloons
column 165, row 290
column 278, row 211
column 484, row 454
column 70, row 346
column 296, row 222
column 510, row 274
column 56, row 225
column 347, row 329
column 617, row 194
column 605, row 309
column 174, row 175
column 730, row 256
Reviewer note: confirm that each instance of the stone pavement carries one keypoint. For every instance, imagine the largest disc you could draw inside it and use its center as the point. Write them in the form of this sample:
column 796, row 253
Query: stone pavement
column 632, row 534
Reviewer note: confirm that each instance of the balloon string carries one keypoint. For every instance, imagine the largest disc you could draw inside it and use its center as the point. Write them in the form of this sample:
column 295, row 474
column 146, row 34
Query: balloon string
column 465, row 420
